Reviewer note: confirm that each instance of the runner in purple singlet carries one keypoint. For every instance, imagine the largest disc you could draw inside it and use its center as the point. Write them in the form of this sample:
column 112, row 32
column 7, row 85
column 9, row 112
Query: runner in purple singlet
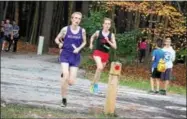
column 74, row 39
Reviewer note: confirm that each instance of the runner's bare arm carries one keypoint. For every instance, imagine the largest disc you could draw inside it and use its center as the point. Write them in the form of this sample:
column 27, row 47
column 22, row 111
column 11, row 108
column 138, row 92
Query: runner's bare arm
column 112, row 42
column 84, row 39
column 93, row 37
column 60, row 36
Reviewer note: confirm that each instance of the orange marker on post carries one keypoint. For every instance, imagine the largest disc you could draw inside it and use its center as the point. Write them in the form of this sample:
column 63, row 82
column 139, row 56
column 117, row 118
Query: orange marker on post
column 115, row 72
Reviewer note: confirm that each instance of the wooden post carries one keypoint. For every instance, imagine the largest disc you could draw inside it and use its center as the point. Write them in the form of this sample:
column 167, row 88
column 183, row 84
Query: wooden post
column 40, row 45
column 111, row 95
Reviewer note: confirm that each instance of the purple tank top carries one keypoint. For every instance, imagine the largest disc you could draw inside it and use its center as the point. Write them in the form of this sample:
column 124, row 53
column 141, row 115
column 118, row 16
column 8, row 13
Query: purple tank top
column 71, row 38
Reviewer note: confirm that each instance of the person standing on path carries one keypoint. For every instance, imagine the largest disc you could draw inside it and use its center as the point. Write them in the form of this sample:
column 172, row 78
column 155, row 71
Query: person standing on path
column 74, row 39
column 15, row 36
column 169, row 58
column 142, row 49
column 156, row 56
column 104, row 41
column 8, row 33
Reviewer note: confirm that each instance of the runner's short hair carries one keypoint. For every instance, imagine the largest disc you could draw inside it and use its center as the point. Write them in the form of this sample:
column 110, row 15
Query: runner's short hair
column 167, row 38
column 107, row 19
column 159, row 43
column 79, row 13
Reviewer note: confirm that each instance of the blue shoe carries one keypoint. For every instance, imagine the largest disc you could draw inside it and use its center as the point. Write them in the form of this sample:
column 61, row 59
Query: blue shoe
column 96, row 89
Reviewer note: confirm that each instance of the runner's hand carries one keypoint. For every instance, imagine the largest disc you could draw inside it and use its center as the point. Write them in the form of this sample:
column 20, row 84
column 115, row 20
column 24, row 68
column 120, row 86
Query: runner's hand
column 107, row 39
column 76, row 50
column 60, row 45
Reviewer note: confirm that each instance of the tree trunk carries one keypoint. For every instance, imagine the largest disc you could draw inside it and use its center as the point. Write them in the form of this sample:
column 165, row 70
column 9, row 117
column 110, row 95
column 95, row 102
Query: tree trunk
column 58, row 20
column 11, row 10
column 120, row 21
column 148, row 43
column 129, row 21
column 28, row 28
column 158, row 18
column 1, row 10
column 113, row 52
column 113, row 22
column 35, row 25
column 143, row 22
column 85, row 7
column 70, row 10
column 41, row 18
column 54, row 19
column 5, row 11
column 16, row 17
column 165, row 25
column 46, row 32
column 150, row 26
column 156, row 27
column 137, row 20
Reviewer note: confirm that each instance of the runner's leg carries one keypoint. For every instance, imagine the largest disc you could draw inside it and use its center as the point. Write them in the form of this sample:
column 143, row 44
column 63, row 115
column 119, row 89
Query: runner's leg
column 64, row 82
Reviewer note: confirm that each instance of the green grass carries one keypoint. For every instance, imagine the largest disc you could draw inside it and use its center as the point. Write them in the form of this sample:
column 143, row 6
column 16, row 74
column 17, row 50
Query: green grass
column 20, row 111
column 139, row 83
column 23, row 111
